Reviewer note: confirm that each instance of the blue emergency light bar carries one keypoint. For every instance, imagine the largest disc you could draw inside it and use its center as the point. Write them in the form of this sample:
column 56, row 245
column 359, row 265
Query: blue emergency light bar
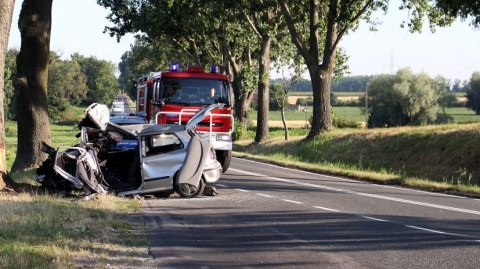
column 215, row 69
column 174, row 67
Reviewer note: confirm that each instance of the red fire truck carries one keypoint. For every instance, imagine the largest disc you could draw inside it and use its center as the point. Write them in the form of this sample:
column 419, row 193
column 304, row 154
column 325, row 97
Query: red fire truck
column 172, row 97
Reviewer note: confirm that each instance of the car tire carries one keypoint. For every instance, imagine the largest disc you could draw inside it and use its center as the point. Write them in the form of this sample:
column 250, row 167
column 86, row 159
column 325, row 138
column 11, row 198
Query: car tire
column 190, row 191
column 224, row 157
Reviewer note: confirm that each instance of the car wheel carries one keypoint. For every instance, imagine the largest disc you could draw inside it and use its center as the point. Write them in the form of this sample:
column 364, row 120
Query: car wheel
column 190, row 191
column 224, row 157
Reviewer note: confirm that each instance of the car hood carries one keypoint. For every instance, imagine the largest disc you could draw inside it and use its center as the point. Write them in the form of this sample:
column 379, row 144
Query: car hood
column 99, row 115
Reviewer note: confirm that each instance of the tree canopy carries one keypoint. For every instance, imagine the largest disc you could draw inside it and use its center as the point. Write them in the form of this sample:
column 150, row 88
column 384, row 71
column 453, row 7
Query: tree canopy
column 473, row 94
column 440, row 13
column 404, row 99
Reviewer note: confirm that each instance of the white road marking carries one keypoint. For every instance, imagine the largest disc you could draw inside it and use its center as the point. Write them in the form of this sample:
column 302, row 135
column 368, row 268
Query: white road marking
column 468, row 211
column 357, row 181
column 425, row 229
column 327, row 209
column 376, row 219
column 291, row 201
column 265, row 195
column 439, row 232
column 221, row 185
column 242, row 190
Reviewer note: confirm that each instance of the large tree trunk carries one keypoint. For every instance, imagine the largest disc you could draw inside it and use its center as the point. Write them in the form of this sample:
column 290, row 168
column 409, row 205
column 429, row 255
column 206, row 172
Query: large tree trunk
column 263, row 90
column 243, row 97
column 321, row 75
column 32, row 73
column 242, row 105
column 6, row 13
column 322, row 120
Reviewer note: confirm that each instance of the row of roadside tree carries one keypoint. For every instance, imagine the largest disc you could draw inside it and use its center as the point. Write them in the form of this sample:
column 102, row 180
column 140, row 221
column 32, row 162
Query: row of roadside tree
column 80, row 81
column 75, row 82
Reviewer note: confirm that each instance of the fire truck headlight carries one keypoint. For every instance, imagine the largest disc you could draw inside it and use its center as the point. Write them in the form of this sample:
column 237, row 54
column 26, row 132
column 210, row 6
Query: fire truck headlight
column 224, row 137
column 174, row 67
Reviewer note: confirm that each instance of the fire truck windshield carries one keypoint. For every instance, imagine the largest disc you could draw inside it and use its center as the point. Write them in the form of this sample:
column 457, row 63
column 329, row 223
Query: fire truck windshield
column 194, row 91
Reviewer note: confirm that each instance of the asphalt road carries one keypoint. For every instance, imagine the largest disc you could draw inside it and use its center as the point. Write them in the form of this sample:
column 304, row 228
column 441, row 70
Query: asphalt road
column 267, row 216
column 126, row 104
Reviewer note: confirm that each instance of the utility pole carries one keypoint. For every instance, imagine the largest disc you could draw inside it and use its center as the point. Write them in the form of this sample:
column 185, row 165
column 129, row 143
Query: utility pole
column 391, row 62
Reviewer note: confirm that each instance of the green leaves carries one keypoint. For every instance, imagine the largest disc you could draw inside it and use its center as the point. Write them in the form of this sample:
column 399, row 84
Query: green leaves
column 473, row 94
column 404, row 99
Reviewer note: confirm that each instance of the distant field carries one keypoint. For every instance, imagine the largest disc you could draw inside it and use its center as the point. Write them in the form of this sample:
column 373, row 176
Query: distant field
column 351, row 113
column 460, row 114
column 348, row 96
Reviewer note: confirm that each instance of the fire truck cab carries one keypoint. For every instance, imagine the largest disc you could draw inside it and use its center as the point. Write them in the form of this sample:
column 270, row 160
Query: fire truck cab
column 173, row 96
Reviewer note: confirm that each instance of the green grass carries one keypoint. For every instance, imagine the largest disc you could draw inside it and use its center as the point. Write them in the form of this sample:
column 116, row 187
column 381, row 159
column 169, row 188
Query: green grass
column 460, row 114
column 61, row 134
column 442, row 157
column 44, row 231
column 351, row 113
column 41, row 231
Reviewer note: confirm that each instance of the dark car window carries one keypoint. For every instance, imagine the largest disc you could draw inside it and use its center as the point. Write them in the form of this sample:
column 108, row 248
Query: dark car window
column 194, row 91
column 127, row 120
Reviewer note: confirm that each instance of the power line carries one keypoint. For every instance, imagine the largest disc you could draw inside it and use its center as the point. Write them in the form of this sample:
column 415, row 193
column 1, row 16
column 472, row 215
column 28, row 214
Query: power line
column 478, row 62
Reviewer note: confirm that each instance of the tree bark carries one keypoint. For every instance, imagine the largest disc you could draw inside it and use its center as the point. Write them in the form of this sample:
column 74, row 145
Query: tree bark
column 320, row 72
column 322, row 120
column 282, row 113
column 6, row 14
column 321, row 75
column 31, row 85
column 243, row 97
column 263, row 90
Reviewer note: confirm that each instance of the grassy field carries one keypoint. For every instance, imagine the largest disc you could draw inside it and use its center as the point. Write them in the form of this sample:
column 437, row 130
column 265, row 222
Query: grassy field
column 64, row 133
column 460, row 114
column 45, row 231
column 440, row 157
column 41, row 231
column 61, row 134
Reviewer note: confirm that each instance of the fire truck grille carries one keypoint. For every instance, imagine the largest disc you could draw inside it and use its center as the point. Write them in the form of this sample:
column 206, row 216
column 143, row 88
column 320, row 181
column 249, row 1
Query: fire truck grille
column 207, row 124
column 201, row 124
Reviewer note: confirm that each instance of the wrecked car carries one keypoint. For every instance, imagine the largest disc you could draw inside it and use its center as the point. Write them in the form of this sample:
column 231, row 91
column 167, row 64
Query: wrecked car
column 139, row 159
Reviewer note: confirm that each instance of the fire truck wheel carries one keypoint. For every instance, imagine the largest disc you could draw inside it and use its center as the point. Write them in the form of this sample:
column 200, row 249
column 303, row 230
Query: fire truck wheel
column 224, row 157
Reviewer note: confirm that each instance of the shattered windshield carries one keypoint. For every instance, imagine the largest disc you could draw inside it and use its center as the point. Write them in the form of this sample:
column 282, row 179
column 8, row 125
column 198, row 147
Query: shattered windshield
column 194, row 91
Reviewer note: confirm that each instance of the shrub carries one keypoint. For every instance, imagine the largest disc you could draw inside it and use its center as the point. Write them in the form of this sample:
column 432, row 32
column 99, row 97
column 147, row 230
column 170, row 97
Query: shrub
column 238, row 131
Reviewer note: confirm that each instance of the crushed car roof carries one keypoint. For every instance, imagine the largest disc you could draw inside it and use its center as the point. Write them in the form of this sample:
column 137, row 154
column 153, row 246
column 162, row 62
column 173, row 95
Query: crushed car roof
column 97, row 114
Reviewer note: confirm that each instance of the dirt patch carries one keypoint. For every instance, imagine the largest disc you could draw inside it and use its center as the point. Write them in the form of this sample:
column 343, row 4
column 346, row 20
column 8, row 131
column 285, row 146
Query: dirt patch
column 278, row 123
column 348, row 98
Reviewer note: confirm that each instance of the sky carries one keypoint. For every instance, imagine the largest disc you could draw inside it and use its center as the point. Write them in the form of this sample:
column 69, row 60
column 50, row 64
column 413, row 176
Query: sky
column 453, row 52
column 77, row 26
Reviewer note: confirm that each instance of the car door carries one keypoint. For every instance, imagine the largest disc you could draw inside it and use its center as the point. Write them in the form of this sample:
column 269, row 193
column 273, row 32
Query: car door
column 197, row 154
column 162, row 155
